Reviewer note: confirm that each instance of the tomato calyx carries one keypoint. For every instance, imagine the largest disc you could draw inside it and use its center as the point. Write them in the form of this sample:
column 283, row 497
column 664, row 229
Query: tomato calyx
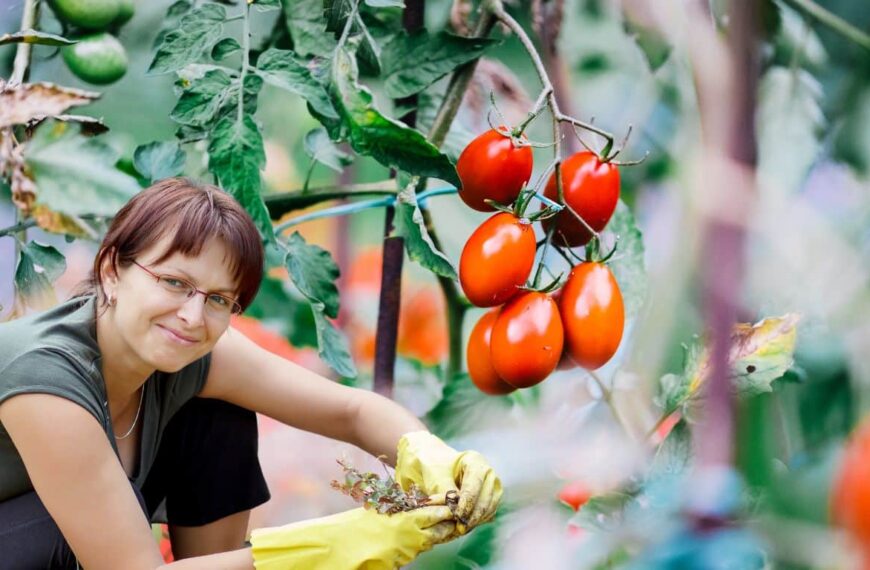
column 552, row 286
column 521, row 206
column 608, row 154
column 593, row 250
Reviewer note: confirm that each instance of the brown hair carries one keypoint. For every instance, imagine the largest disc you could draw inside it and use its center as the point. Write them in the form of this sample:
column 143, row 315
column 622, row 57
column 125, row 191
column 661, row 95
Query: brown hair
column 195, row 212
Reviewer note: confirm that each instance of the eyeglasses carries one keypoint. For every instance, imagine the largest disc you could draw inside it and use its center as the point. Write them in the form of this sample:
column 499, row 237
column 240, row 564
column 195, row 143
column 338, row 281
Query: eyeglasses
column 217, row 305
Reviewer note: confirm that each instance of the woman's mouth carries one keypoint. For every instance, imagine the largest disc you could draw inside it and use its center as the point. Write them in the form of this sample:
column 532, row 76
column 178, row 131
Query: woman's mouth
column 175, row 337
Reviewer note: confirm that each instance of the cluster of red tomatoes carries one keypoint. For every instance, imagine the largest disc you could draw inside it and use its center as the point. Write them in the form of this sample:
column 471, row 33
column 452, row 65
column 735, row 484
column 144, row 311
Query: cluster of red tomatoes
column 530, row 333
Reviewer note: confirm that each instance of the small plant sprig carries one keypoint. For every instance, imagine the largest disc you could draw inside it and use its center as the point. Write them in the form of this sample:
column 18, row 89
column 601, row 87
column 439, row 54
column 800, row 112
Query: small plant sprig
column 385, row 496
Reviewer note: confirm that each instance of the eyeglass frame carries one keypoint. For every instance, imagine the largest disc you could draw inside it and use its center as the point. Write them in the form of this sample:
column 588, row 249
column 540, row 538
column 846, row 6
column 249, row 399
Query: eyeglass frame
column 235, row 308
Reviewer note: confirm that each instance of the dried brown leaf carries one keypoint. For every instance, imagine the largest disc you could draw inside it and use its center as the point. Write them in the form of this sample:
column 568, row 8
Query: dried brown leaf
column 21, row 104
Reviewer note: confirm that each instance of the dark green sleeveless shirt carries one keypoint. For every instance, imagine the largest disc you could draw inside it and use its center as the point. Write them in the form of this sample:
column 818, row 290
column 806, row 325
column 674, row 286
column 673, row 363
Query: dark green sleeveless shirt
column 56, row 352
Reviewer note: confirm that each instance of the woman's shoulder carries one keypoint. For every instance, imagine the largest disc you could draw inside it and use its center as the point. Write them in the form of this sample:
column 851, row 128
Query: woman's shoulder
column 65, row 331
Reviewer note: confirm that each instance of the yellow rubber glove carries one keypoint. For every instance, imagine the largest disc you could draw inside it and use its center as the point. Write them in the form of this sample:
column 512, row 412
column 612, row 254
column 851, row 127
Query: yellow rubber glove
column 435, row 467
column 358, row 539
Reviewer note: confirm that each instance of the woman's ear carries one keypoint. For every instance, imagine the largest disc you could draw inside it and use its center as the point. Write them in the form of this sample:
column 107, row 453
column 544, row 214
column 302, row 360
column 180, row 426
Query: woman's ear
column 108, row 277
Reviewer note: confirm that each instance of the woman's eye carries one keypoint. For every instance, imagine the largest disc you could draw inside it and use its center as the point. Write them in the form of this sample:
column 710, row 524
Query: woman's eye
column 177, row 283
column 219, row 301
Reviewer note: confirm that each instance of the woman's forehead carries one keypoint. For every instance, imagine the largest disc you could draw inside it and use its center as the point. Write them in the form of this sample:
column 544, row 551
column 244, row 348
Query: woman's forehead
column 213, row 263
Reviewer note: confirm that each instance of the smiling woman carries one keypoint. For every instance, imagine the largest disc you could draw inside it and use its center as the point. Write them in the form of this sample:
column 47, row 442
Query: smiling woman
column 136, row 393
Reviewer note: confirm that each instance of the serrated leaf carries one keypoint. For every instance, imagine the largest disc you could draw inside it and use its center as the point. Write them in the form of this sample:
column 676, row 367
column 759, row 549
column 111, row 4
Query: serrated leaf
column 282, row 69
column 158, row 160
column 75, row 175
column 38, row 267
column 413, row 62
column 336, row 12
column 290, row 313
column 627, row 264
column 225, row 48
column 388, row 141
column 314, row 273
column 409, row 224
column 332, row 345
column 461, row 408
column 320, row 148
column 654, row 46
column 307, row 27
column 197, row 32
column 199, row 104
column 266, row 5
column 31, row 36
column 789, row 123
column 235, row 157
column 30, row 101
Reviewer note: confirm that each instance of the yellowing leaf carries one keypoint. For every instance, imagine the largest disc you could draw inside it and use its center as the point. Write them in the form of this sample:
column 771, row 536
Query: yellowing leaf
column 760, row 354
column 23, row 103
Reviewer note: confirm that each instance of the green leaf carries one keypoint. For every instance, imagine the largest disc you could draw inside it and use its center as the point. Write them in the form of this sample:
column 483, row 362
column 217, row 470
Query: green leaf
column 291, row 313
column 369, row 52
column 76, row 175
column 332, row 344
column 462, row 406
column 388, row 141
column 674, row 455
column 320, row 148
column 38, row 267
column 789, row 123
column 603, row 512
column 195, row 35
column 314, row 273
column 31, row 36
column 655, row 48
column 159, row 160
column 266, row 5
column 627, row 263
column 307, row 27
column 199, row 104
column 458, row 136
column 410, row 225
column 235, row 157
column 336, row 13
column 413, row 62
column 225, row 48
column 282, row 69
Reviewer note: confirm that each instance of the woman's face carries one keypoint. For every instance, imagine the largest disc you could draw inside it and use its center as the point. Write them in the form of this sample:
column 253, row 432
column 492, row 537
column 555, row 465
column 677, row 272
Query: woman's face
column 167, row 331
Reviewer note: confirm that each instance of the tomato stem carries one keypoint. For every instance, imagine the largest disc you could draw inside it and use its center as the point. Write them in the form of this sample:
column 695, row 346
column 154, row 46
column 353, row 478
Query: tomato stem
column 543, row 259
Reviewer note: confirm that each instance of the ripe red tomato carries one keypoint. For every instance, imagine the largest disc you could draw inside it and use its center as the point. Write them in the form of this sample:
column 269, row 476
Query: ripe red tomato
column 527, row 339
column 575, row 494
column 850, row 497
column 492, row 168
column 593, row 314
column 589, row 186
column 477, row 355
column 497, row 259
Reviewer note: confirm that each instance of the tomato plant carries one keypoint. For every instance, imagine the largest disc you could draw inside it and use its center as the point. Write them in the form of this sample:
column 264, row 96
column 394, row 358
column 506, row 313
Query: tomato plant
column 497, row 259
column 479, row 359
column 591, row 188
column 593, row 314
column 493, row 167
column 89, row 14
column 527, row 339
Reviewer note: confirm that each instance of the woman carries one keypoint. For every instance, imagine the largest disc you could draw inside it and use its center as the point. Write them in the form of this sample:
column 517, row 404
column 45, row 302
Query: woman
column 138, row 392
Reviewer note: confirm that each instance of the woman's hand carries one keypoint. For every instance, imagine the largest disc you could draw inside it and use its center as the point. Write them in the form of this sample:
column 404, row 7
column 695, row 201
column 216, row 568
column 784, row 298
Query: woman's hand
column 434, row 467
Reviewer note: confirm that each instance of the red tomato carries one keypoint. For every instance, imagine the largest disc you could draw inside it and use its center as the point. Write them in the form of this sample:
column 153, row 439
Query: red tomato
column 589, row 186
column 850, row 497
column 566, row 362
column 593, row 314
column 497, row 259
column 492, row 168
column 480, row 369
column 575, row 494
column 527, row 339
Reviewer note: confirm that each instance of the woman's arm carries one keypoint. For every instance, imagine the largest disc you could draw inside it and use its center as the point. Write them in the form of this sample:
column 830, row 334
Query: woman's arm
column 82, row 484
column 247, row 375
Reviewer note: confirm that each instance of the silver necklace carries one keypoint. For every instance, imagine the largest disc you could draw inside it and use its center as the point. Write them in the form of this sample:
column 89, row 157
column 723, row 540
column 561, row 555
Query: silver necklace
column 136, row 419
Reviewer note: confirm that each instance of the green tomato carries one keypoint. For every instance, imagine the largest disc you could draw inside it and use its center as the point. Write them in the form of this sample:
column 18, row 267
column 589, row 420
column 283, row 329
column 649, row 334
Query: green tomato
column 126, row 9
column 87, row 14
column 97, row 58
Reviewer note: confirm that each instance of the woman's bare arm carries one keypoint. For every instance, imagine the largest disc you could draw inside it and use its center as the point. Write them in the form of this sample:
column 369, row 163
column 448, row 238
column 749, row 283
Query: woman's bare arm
column 247, row 375
column 83, row 486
